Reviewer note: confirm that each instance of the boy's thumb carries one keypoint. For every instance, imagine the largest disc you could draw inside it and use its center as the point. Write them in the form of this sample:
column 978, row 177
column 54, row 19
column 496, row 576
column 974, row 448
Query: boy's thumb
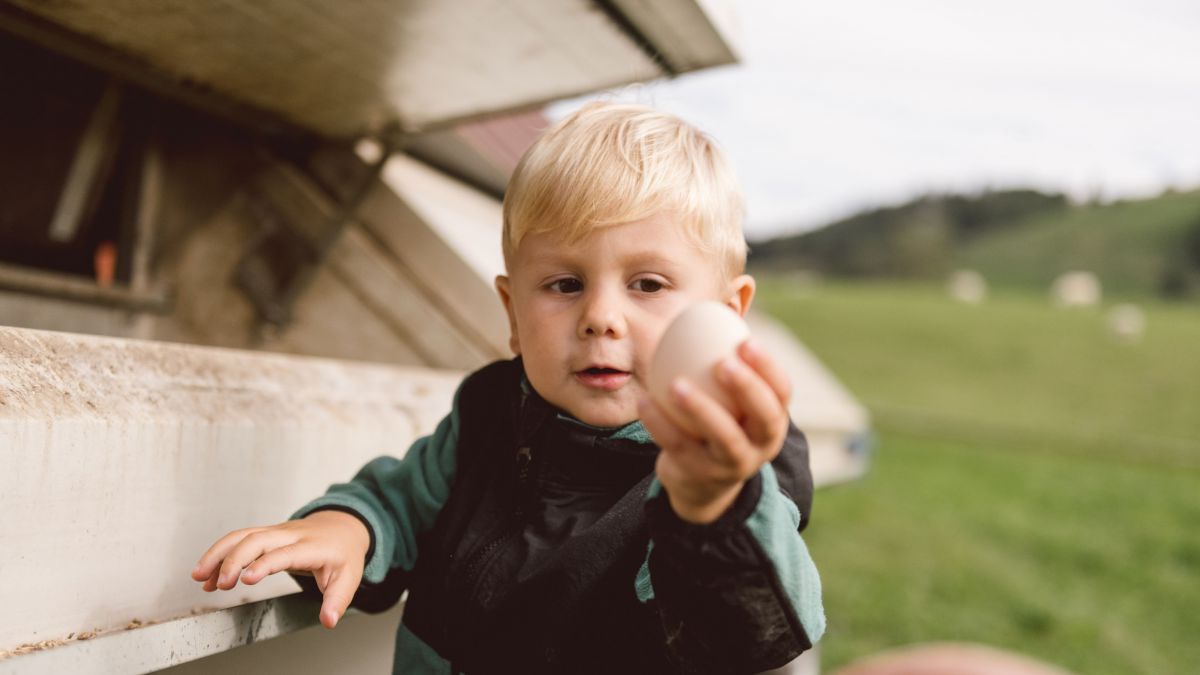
column 338, row 595
column 329, row 617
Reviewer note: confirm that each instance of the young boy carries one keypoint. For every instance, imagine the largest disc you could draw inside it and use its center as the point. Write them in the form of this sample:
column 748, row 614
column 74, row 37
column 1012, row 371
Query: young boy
column 556, row 520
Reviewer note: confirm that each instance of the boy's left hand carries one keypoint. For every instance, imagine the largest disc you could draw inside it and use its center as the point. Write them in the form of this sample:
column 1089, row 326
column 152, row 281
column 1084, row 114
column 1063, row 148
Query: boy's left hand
column 703, row 467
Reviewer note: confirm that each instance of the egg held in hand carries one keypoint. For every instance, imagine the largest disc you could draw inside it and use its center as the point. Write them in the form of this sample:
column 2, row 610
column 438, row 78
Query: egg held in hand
column 692, row 346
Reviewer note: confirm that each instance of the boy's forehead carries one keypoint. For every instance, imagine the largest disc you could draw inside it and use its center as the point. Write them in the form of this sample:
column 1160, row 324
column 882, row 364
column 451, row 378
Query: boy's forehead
column 630, row 249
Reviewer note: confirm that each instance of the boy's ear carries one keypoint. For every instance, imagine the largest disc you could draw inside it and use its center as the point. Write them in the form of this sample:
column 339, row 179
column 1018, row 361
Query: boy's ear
column 741, row 294
column 505, row 291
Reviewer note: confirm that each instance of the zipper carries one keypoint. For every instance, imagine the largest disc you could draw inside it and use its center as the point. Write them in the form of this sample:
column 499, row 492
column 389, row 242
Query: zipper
column 479, row 560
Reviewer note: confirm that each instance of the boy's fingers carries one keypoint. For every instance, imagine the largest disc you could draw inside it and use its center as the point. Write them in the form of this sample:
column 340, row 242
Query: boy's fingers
column 269, row 563
column 682, row 456
column 338, row 595
column 762, row 363
column 247, row 551
column 689, row 461
column 216, row 553
column 764, row 414
column 727, row 441
column 290, row 557
column 210, row 584
column 662, row 429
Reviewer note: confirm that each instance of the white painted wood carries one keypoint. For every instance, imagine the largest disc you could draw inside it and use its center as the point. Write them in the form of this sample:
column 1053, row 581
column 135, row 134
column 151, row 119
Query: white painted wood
column 145, row 648
column 468, row 220
column 123, row 460
column 265, row 636
column 458, row 281
column 688, row 34
column 378, row 284
column 344, row 69
column 362, row 644
column 331, row 320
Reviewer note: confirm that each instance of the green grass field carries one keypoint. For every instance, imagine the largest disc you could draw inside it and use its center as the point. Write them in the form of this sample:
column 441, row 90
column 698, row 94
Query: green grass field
column 1036, row 484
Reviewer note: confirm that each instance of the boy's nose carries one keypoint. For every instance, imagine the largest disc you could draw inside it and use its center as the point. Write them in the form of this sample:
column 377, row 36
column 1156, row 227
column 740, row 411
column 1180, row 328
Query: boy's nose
column 601, row 317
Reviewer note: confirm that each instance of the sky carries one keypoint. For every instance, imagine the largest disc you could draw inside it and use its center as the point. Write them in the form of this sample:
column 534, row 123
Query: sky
column 841, row 106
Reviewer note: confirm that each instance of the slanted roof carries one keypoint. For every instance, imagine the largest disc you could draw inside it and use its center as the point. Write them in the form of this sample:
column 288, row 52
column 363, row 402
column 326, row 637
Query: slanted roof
column 347, row 69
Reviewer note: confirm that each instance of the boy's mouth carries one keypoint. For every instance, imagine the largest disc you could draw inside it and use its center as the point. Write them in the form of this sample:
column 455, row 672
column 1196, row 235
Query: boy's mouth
column 603, row 377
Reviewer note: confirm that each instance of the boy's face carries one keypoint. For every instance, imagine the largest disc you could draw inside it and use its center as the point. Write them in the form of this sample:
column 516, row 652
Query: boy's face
column 587, row 318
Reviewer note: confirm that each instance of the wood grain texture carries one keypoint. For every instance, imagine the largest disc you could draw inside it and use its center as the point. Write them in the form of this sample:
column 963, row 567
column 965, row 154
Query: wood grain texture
column 344, row 69
column 123, row 460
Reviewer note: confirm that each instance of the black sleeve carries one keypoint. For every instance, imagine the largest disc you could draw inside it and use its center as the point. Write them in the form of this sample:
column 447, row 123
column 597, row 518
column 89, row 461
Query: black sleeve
column 794, row 474
column 722, row 605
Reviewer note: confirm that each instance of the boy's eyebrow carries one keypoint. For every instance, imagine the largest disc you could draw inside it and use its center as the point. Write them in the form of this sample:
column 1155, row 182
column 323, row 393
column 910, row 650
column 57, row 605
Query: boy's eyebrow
column 639, row 257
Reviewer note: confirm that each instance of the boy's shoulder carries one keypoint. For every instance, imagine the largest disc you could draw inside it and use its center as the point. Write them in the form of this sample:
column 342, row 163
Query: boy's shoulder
column 498, row 378
column 490, row 396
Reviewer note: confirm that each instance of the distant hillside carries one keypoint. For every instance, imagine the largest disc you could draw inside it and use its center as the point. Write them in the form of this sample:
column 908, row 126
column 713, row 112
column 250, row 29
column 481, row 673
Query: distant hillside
column 1149, row 246
column 915, row 239
column 1016, row 239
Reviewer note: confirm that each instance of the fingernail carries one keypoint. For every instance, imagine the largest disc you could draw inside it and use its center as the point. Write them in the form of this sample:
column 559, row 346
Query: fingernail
column 196, row 569
column 730, row 366
column 681, row 388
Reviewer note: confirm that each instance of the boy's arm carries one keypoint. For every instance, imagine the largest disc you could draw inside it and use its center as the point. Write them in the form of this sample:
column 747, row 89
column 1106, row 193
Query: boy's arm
column 736, row 588
column 397, row 499
column 739, row 594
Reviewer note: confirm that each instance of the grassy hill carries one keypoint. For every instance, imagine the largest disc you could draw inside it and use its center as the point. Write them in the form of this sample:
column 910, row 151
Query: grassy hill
column 1130, row 245
column 1035, row 484
column 1017, row 239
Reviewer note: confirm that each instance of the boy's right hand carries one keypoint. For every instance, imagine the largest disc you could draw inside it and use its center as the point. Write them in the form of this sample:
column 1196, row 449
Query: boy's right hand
column 331, row 545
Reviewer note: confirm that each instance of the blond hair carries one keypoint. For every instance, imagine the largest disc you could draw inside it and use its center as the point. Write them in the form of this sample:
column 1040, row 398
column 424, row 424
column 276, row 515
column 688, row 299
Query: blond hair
column 608, row 164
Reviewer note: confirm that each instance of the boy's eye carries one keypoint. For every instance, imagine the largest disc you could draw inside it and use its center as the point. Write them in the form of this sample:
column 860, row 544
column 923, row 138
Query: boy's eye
column 648, row 285
column 566, row 285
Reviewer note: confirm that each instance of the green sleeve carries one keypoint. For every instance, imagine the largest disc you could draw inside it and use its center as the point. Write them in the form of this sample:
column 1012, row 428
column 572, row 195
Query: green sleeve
column 399, row 499
column 765, row 515
column 774, row 525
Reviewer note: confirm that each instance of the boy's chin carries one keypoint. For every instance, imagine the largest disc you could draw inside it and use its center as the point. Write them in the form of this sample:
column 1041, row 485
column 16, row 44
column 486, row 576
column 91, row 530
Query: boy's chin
column 600, row 417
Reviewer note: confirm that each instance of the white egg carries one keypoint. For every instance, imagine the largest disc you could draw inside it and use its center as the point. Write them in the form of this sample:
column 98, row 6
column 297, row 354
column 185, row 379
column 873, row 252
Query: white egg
column 692, row 346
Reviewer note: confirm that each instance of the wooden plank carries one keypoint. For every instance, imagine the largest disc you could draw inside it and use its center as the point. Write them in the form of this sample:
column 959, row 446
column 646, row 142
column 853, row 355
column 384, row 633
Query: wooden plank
column 468, row 220
column 78, row 289
column 297, row 644
column 360, row 68
column 331, row 320
column 22, row 310
column 687, row 34
column 142, row 648
column 458, row 282
column 89, row 168
column 123, row 460
column 420, row 321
